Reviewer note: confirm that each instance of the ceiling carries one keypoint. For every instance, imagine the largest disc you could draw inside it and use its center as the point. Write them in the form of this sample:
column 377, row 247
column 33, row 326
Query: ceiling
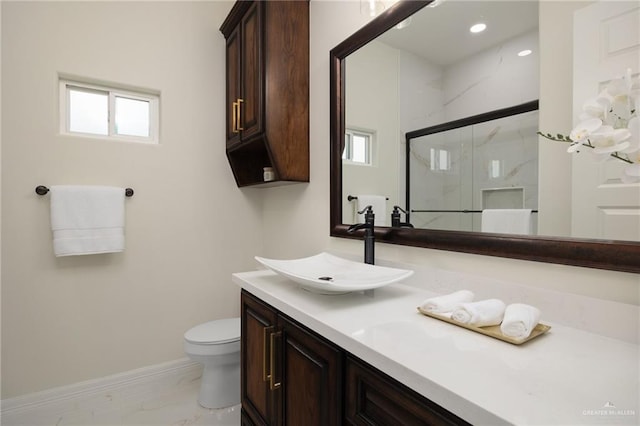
column 434, row 31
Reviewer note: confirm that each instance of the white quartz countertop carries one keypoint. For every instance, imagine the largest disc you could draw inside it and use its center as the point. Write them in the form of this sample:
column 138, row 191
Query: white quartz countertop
column 565, row 377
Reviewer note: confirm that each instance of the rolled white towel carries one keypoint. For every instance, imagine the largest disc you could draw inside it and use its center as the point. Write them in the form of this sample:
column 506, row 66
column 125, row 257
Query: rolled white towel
column 447, row 302
column 480, row 314
column 519, row 320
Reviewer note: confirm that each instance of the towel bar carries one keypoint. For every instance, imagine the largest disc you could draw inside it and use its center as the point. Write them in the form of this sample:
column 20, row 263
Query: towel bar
column 352, row 197
column 453, row 211
column 42, row 190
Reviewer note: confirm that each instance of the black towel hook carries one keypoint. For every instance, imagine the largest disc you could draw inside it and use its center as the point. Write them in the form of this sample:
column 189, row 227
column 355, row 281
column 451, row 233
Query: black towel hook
column 43, row 190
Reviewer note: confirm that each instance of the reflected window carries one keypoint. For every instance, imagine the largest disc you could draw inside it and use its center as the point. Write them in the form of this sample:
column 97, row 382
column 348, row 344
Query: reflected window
column 495, row 169
column 440, row 160
column 358, row 147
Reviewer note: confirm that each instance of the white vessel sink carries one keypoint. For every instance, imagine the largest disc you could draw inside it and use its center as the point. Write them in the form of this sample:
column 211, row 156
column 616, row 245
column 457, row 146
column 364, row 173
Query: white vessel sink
column 328, row 274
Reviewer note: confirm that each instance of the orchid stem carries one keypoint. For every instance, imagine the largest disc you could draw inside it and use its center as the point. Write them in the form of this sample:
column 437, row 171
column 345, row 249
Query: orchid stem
column 561, row 138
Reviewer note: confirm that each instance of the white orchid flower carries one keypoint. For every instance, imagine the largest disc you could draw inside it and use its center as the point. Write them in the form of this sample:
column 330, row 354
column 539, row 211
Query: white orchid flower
column 608, row 140
column 622, row 97
column 604, row 100
column 593, row 109
column 610, row 124
column 582, row 131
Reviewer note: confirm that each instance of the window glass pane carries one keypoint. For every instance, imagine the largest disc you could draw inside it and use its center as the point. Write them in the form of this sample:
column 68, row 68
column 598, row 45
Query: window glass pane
column 440, row 159
column 359, row 149
column 132, row 117
column 495, row 169
column 445, row 163
column 88, row 112
column 346, row 155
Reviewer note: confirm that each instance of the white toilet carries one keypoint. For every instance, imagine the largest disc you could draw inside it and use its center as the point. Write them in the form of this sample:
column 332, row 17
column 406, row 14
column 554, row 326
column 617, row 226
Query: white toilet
column 216, row 345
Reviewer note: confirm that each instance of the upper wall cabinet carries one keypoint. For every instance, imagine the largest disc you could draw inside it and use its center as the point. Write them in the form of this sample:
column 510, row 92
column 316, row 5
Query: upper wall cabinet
column 267, row 91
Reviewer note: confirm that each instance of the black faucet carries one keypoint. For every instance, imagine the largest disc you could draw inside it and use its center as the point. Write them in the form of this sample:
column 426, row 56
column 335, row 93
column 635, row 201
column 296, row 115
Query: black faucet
column 369, row 239
column 395, row 218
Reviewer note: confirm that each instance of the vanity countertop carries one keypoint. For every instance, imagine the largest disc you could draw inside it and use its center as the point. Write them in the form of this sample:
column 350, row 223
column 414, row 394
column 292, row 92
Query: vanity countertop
column 565, row 377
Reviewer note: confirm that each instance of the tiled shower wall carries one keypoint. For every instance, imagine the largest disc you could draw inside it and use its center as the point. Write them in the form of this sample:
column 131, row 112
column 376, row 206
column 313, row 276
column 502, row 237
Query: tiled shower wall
column 497, row 156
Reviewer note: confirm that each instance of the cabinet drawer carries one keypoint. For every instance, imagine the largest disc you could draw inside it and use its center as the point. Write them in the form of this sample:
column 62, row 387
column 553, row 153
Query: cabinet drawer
column 373, row 398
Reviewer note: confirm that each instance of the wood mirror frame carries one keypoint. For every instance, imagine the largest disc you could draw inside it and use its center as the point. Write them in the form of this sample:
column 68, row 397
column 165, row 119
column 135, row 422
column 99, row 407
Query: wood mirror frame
column 592, row 253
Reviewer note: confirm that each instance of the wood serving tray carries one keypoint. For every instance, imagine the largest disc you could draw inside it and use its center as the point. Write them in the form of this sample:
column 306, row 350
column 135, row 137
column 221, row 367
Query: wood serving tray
column 492, row 330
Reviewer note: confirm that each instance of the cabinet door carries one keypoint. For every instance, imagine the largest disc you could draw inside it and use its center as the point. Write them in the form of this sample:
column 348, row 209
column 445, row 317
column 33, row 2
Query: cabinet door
column 252, row 72
column 311, row 378
column 258, row 323
column 233, row 86
column 373, row 398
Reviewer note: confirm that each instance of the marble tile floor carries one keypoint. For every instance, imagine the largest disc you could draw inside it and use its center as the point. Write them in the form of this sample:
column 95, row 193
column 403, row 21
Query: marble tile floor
column 170, row 406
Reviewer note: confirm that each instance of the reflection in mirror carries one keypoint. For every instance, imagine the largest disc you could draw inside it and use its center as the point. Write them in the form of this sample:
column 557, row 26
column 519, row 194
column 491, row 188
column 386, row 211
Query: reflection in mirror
column 382, row 100
column 458, row 170
column 398, row 84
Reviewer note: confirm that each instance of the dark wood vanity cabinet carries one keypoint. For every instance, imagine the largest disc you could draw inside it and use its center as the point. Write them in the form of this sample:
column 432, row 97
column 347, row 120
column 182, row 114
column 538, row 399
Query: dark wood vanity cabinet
column 267, row 90
column 374, row 398
column 293, row 376
column 244, row 76
column 258, row 399
column 289, row 374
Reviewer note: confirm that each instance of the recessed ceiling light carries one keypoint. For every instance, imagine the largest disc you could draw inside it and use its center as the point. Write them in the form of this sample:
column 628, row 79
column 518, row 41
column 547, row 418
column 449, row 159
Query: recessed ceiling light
column 478, row 28
column 525, row 52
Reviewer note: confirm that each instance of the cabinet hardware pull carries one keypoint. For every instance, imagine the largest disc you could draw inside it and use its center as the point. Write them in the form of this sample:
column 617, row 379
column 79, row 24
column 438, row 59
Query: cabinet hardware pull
column 265, row 353
column 272, row 366
column 234, row 119
column 240, row 101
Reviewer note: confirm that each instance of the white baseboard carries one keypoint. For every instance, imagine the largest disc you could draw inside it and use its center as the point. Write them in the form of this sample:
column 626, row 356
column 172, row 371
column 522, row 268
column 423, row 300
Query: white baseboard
column 65, row 398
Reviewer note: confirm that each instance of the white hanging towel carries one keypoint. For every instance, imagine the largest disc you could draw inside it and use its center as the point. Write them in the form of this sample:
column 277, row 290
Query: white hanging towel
column 379, row 205
column 87, row 219
column 507, row 221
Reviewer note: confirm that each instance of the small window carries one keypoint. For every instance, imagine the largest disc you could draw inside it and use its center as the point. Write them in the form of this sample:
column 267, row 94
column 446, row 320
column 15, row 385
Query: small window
column 496, row 168
column 440, row 160
column 90, row 109
column 358, row 147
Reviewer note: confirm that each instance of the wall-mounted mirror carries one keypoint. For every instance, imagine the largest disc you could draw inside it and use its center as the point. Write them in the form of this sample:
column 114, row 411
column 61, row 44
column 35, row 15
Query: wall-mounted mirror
column 408, row 72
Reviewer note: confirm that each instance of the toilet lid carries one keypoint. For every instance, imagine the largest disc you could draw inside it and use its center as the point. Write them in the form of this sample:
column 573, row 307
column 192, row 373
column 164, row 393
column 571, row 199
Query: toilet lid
column 215, row 332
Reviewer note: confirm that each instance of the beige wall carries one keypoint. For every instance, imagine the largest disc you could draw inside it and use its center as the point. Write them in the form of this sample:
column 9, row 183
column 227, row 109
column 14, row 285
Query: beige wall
column 288, row 214
column 188, row 226
column 370, row 93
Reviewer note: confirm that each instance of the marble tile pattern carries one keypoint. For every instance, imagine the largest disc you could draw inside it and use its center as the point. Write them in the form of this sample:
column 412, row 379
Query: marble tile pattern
column 171, row 401
column 489, row 80
column 474, row 168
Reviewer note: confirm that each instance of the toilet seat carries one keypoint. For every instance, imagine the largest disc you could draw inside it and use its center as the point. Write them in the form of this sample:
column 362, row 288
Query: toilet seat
column 218, row 332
